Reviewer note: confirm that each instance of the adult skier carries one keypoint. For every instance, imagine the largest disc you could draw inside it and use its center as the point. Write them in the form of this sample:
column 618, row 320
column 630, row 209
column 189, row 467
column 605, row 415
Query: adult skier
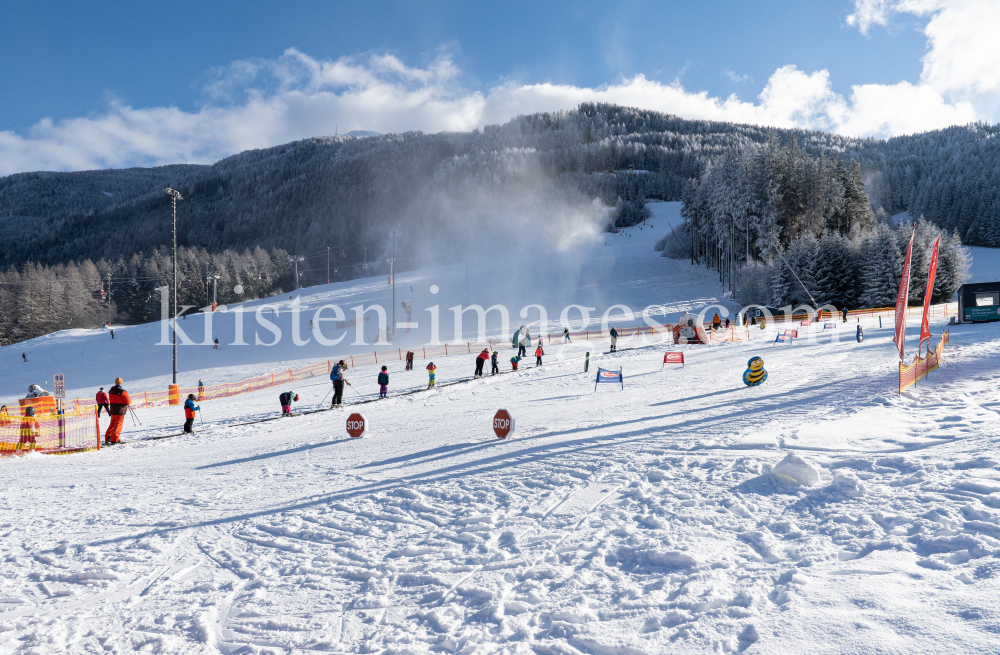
column 716, row 321
column 102, row 401
column 538, row 355
column 409, row 360
column 24, row 357
column 119, row 401
column 286, row 400
column 566, row 335
column 30, row 430
column 189, row 413
column 383, row 382
column 614, row 339
column 339, row 377
column 431, row 374
column 495, row 363
column 481, row 361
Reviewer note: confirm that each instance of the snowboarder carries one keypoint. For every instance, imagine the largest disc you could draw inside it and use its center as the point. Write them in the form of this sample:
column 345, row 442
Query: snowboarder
column 216, row 346
column 286, row 400
column 431, row 371
column 30, row 430
column 513, row 362
column 201, row 390
column 566, row 335
column 4, row 416
column 538, row 355
column 495, row 363
column 119, row 401
column 102, row 401
column 189, row 413
column 481, row 361
column 383, row 381
column 339, row 377
column 409, row 360
column 614, row 339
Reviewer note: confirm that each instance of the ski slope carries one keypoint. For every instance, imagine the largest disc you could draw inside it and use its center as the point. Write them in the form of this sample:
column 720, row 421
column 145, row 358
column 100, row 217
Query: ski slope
column 643, row 520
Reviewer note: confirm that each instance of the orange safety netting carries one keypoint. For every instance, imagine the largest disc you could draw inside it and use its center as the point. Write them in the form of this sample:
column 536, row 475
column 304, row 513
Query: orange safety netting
column 70, row 432
column 921, row 366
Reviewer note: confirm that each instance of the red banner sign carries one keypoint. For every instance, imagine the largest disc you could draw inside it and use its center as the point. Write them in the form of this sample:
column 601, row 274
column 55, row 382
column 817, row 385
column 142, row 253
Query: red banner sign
column 904, row 293
column 673, row 358
column 925, row 330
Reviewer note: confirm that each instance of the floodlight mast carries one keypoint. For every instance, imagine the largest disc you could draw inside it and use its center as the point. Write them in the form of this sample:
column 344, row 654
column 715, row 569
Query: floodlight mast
column 174, row 197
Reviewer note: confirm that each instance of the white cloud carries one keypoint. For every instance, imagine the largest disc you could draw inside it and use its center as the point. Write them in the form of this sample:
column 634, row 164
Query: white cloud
column 261, row 103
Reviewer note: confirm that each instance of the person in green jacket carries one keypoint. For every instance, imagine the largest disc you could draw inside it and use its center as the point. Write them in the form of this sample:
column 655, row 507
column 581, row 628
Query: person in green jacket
column 383, row 380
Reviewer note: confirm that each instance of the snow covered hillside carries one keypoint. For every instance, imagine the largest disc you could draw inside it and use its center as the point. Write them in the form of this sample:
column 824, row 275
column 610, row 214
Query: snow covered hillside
column 819, row 512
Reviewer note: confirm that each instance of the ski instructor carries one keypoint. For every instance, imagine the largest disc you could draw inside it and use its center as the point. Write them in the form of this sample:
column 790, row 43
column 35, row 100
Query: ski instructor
column 119, row 407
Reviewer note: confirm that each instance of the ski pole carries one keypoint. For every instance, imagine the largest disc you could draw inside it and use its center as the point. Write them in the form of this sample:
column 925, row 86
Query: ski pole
column 326, row 396
column 356, row 391
column 133, row 415
column 200, row 417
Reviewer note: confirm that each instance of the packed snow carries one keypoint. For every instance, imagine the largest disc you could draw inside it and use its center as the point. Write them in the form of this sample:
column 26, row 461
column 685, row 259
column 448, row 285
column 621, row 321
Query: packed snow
column 818, row 512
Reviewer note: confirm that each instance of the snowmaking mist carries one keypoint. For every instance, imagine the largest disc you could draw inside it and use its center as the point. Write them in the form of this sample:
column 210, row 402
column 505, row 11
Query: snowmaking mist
column 524, row 235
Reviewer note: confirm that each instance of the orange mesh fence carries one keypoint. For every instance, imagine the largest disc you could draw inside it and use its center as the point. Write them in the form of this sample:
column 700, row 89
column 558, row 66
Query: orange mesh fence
column 909, row 374
column 49, row 433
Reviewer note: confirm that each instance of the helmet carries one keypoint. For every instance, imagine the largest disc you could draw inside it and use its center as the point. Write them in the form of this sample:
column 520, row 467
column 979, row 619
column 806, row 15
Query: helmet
column 119, row 381
column 30, row 411
column 102, row 389
column 190, row 396
column 296, row 399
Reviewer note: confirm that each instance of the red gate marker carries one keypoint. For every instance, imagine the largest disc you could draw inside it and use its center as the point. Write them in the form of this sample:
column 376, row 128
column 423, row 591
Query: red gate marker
column 503, row 423
column 357, row 425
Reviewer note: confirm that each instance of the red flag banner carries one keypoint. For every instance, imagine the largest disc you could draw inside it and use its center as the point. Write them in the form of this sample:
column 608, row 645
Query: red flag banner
column 925, row 330
column 904, row 292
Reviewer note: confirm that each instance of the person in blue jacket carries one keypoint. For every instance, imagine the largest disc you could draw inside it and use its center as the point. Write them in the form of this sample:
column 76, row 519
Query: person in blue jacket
column 189, row 413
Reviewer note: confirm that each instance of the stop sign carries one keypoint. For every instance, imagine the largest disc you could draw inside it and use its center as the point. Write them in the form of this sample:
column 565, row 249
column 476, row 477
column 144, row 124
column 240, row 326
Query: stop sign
column 356, row 425
column 503, row 423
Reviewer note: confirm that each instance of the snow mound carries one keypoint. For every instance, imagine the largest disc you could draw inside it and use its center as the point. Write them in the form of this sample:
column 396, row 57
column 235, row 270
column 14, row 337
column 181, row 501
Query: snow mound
column 796, row 470
column 845, row 485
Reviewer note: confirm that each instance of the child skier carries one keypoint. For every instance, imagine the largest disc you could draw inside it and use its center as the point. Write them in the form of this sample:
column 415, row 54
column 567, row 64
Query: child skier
column 495, row 363
column 431, row 370
column 383, row 380
column 538, row 355
column 30, row 431
column 189, row 413
column 287, row 399
column 513, row 362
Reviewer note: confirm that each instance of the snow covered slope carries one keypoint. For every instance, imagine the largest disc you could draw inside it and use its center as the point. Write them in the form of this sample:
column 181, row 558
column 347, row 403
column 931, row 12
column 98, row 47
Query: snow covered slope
column 643, row 520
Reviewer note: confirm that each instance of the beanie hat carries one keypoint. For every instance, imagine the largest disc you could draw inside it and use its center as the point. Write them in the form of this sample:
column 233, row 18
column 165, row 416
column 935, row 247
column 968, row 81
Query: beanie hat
column 384, row 368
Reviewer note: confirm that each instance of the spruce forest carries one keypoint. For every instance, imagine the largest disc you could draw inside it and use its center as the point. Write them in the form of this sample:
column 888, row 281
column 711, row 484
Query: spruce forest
column 754, row 198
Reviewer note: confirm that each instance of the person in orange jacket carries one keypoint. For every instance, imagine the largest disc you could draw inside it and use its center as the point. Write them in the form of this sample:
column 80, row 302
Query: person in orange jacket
column 190, row 410
column 120, row 401
column 102, row 402
column 30, row 430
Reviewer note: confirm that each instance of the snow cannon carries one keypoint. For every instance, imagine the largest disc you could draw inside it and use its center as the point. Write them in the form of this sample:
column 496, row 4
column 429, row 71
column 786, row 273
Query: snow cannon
column 755, row 373
column 689, row 330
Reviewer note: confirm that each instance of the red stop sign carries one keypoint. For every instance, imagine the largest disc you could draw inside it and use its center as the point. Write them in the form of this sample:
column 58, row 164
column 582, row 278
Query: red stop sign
column 356, row 425
column 503, row 423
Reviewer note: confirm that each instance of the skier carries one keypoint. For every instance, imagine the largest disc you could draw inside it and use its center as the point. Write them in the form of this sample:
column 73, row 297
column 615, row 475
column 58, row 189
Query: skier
column 727, row 323
column 481, row 361
column 431, row 371
column 24, row 357
column 102, row 401
column 383, row 381
column 112, row 335
column 286, row 400
column 339, row 377
column 538, row 355
column 4, row 416
column 513, row 362
column 30, row 430
column 495, row 363
column 716, row 321
column 189, row 413
column 119, row 401
column 614, row 339
column 845, row 313
column 409, row 360
column 566, row 335
column 201, row 390
column 216, row 346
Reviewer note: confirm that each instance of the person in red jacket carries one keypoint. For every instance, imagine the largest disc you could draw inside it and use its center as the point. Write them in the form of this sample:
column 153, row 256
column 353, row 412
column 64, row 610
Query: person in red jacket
column 102, row 401
column 538, row 355
column 119, row 407
column 481, row 361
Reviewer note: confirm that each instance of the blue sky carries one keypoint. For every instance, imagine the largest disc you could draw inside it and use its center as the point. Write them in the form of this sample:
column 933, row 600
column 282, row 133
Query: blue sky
column 114, row 84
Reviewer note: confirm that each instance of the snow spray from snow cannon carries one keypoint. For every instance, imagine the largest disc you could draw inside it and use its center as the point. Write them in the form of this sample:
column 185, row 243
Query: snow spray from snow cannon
column 755, row 373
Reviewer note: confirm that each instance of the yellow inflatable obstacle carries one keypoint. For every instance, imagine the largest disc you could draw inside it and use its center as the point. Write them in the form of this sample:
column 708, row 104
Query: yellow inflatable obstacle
column 755, row 373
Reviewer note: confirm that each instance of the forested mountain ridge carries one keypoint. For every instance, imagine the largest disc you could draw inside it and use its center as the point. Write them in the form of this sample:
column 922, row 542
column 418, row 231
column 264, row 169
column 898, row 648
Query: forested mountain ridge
column 347, row 192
